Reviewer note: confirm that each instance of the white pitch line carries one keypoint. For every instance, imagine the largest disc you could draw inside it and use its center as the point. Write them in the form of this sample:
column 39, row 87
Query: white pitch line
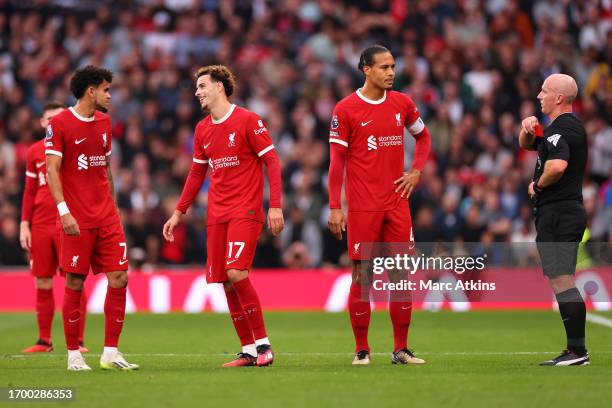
column 597, row 319
column 332, row 354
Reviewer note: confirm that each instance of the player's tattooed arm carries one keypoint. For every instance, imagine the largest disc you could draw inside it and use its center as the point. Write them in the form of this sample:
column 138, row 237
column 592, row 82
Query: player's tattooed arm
column 111, row 184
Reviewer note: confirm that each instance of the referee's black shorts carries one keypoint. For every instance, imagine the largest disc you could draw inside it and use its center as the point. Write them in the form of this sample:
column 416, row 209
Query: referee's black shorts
column 560, row 226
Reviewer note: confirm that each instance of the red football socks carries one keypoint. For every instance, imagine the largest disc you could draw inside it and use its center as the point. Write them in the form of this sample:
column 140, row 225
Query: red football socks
column 241, row 323
column 45, row 306
column 114, row 314
column 71, row 315
column 83, row 316
column 359, row 312
column 401, row 314
column 251, row 307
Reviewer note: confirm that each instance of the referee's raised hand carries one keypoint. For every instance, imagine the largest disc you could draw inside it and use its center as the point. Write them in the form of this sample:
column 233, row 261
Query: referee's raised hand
column 528, row 125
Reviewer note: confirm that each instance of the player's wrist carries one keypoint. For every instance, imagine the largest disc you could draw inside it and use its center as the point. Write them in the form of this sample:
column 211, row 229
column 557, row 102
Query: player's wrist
column 62, row 208
column 24, row 224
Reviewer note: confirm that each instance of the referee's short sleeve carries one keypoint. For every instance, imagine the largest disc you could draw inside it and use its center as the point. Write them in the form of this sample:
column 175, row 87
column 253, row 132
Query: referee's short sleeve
column 557, row 147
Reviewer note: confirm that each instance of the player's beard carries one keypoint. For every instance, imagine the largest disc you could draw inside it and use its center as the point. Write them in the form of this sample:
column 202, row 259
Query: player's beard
column 101, row 108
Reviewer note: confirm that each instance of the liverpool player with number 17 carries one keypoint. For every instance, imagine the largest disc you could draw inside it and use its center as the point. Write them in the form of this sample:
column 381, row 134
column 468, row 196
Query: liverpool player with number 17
column 367, row 135
column 234, row 143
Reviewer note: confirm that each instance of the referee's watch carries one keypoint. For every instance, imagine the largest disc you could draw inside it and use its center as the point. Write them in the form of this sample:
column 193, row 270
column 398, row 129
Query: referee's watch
column 537, row 189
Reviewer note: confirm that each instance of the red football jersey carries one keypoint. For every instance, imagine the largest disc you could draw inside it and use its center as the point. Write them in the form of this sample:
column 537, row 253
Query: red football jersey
column 44, row 210
column 232, row 147
column 84, row 145
column 373, row 132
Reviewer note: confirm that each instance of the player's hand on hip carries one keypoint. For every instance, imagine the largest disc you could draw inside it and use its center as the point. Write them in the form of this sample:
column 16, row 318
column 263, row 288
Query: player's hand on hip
column 25, row 236
column 528, row 124
column 170, row 225
column 407, row 182
column 336, row 222
column 276, row 222
column 70, row 225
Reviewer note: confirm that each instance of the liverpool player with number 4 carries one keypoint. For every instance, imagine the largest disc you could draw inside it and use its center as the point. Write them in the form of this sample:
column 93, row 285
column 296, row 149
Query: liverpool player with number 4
column 234, row 143
column 39, row 235
column 367, row 133
column 77, row 148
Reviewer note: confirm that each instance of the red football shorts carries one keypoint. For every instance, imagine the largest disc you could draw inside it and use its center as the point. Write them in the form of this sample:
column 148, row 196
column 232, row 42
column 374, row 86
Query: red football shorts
column 102, row 249
column 44, row 253
column 374, row 227
column 230, row 245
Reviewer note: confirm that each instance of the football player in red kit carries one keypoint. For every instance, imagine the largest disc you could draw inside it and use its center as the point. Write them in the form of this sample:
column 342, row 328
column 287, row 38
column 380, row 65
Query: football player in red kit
column 367, row 136
column 77, row 148
column 39, row 236
column 234, row 143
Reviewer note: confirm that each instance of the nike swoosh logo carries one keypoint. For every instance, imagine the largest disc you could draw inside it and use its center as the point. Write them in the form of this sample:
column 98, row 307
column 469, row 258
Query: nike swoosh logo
column 206, row 146
column 406, row 308
column 123, row 262
column 119, row 321
column 73, row 321
column 230, row 262
column 365, row 123
column 39, row 165
column 79, row 141
column 360, row 314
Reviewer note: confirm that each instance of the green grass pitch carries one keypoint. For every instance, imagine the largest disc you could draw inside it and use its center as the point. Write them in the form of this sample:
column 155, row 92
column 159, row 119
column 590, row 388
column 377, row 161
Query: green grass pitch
column 475, row 359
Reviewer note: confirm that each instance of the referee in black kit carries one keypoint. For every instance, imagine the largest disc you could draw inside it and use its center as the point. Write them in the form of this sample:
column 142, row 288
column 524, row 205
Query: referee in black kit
column 559, row 214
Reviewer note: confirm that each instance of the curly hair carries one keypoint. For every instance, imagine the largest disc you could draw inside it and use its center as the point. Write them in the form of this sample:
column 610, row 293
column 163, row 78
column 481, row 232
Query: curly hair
column 219, row 73
column 88, row 76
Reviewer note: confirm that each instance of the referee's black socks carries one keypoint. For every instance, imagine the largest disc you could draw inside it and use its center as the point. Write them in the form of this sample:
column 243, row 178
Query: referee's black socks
column 573, row 313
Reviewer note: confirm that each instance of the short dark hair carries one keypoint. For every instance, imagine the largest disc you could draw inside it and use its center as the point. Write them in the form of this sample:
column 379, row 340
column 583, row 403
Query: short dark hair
column 367, row 55
column 219, row 73
column 88, row 76
column 52, row 105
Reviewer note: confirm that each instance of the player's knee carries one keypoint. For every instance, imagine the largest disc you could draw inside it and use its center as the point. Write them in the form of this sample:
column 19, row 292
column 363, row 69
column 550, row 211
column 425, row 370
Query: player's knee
column 74, row 282
column 44, row 283
column 118, row 279
column 235, row 275
column 356, row 274
column 227, row 286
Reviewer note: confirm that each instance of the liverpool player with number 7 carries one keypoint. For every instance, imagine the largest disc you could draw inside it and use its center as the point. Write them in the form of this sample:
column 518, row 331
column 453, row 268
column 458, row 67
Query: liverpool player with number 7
column 77, row 149
column 367, row 135
column 234, row 143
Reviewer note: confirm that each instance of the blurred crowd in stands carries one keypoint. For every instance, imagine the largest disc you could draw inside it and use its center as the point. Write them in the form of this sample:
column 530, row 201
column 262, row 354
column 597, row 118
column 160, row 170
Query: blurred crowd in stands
column 474, row 68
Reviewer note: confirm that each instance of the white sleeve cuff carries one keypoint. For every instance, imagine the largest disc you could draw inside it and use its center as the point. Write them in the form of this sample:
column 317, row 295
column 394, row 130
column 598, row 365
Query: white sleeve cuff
column 266, row 150
column 339, row 141
column 108, row 153
column 199, row 161
column 54, row 152
column 30, row 174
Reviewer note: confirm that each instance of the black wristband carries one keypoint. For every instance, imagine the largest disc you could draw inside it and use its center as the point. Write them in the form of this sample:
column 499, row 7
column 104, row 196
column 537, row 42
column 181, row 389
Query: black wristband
column 536, row 188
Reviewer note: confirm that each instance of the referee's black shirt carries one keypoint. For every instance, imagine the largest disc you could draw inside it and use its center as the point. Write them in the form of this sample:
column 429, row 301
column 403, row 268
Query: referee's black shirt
column 565, row 139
